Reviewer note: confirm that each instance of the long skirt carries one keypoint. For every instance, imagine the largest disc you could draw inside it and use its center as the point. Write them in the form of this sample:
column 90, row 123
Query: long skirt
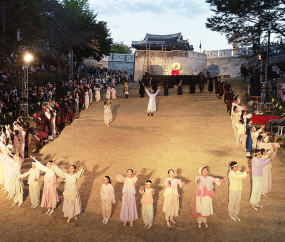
column 147, row 213
column 50, row 196
column 248, row 143
column 108, row 94
column 15, row 186
column 97, row 96
column 203, row 207
column 266, row 180
column 256, row 190
column 114, row 95
column 34, row 192
column 171, row 206
column 129, row 208
column 108, row 117
column 72, row 203
column 86, row 101
column 2, row 173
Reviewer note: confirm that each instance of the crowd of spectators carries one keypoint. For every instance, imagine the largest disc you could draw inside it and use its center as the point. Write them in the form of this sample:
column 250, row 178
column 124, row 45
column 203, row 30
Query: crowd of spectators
column 10, row 100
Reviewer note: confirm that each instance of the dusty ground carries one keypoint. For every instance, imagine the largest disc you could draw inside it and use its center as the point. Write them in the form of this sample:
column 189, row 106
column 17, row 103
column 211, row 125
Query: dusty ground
column 187, row 132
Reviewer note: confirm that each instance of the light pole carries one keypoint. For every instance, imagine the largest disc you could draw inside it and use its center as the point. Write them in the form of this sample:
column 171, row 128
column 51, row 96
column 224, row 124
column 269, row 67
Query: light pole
column 24, row 112
column 268, row 49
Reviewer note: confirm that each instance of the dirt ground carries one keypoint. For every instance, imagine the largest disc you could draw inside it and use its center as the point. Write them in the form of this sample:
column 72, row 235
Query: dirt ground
column 187, row 132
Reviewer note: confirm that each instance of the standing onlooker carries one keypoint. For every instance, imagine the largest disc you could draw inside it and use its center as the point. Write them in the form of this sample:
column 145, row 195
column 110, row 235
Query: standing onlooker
column 263, row 93
column 274, row 86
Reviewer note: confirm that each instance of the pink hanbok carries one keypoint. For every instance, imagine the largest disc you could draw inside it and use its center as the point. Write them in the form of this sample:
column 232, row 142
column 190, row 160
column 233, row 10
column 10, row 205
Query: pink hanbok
column 204, row 193
column 50, row 196
column 129, row 208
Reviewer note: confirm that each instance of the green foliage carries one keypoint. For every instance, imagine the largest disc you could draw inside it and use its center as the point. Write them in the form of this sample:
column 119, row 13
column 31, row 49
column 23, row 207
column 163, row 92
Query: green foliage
column 121, row 48
column 23, row 14
column 245, row 22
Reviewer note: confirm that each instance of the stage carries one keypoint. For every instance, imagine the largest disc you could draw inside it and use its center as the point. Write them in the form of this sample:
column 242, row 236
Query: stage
column 172, row 80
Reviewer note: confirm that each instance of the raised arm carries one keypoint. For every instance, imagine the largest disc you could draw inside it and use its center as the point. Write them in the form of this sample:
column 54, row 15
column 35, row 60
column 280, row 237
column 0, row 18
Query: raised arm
column 39, row 165
column 120, row 178
column 157, row 91
column 147, row 92
column 59, row 172
column 80, row 173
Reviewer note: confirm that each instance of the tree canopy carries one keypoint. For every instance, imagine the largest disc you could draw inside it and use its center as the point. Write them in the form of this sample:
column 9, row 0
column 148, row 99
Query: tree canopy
column 18, row 14
column 245, row 22
column 121, row 48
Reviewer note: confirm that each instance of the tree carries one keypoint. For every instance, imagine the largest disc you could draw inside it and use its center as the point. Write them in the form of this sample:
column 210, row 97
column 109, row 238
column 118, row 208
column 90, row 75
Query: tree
column 245, row 22
column 121, row 48
column 14, row 15
column 72, row 25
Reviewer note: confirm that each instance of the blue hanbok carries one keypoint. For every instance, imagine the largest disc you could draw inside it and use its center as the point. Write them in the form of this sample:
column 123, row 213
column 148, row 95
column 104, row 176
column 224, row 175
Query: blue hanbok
column 248, row 143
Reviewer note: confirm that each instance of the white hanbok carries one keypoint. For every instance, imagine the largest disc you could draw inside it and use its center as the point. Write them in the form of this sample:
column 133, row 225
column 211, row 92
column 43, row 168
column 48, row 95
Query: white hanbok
column 151, row 108
column 97, row 94
column 86, row 99
column 108, row 93
column 90, row 96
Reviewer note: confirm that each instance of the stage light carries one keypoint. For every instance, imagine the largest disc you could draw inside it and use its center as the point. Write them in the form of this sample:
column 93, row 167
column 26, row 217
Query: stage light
column 28, row 57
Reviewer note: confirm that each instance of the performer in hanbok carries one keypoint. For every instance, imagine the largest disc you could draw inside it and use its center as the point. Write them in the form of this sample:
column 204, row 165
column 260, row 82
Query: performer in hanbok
column 107, row 198
column 90, row 96
column 266, row 171
column 50, row 196
column 15, row 187
column 2, row 164
column 8, row 160
column 77, row 103
column 126, row 88
column 86, row 98
column 147, row 203
column 257, row 163
column 151, row 108
column 107, row 113
column 21, row 136
column 97, row 94
column 33, row 181
column 204, row 196
column 171, row 197
column 114, row 92
column 71, row 204
column 141, row 89
column 262, row 144
column 248, row 143
column 180, row 88
column 210, row 85
column 165, row 86
column 108, row 93
column 235, row 187
column 129, row 207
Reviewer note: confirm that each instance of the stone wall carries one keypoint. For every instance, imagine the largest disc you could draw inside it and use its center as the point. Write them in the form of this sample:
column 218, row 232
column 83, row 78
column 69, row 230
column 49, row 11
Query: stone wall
column 192, row 62
column 114, row 61
column 91, row 62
